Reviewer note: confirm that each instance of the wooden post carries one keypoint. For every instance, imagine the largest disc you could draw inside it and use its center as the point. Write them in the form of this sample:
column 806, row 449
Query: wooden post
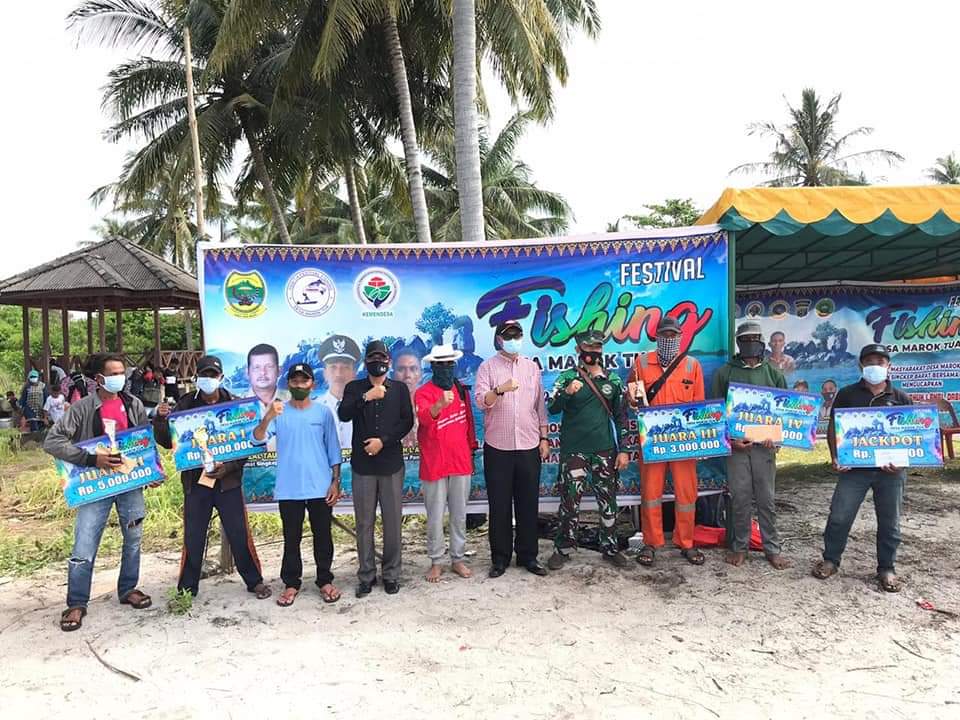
column 188, row 327
column 65, row 331
column 27, row 364
column 119, row 327
column 101, row 319
column 45, row 321
column 194, row 135
column 203, row 342
column 89, row 332
column 156, row 337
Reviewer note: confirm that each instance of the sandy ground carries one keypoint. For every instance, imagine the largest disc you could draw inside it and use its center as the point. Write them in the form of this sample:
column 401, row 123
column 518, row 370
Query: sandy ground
column 586, row 642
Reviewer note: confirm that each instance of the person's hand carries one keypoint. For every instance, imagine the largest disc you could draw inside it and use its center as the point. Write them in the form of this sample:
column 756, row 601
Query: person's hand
column 890, row 468
column 446, row 399
column 838, row 467
column 509, row 386
column 768, row 443
column 155, row 485
column 633, row 393
column 109, row 462
column 163, row 409
column 740, row 444
column 544, row 450
column 219, row 470
column 334, row 494
column 623, row 459
column 276, row 408
column 372, row 446
column 573, row 387
column 377, row 392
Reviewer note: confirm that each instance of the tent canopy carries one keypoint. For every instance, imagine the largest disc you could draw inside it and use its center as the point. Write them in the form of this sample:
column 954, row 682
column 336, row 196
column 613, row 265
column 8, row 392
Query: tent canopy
column 869, row 233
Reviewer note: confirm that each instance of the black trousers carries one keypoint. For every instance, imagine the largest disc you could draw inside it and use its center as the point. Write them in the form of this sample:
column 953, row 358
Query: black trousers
column 198, row 505
column 291, row 517
column 513, row 488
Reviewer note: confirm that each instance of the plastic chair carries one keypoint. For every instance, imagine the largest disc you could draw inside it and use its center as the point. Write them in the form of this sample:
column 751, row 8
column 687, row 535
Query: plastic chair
column 946, row 433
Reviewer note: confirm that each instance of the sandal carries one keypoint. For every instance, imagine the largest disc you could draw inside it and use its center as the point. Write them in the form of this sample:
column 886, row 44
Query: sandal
column 693, row 556
column 824, row 569
column 262, row 591
column 889, row 582
column 330, row 594
column 71, row 625
column 137, row 600
column 646, row 555
column 288, row 596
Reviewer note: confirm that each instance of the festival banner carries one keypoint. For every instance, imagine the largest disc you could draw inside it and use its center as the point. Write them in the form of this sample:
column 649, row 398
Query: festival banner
column 898, row 435
column 683, row 432
column 795, row 412
column 141, row 466
column 266, row 308
column 214, row 433
column 815, row 332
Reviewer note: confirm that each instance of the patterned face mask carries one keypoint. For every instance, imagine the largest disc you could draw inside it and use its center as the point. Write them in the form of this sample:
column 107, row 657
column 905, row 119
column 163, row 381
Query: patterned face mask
column 667, row 348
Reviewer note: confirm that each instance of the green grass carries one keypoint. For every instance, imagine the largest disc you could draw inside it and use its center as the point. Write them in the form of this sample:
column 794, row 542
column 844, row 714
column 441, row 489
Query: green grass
column 179, row 602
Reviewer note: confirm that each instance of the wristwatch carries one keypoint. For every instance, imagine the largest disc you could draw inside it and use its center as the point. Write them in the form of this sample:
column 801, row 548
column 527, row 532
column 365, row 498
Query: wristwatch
column 544, row 439
column 498, row 392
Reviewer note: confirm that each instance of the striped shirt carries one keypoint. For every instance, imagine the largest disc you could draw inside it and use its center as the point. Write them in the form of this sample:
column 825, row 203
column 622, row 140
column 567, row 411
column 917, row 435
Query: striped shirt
column 514, row 420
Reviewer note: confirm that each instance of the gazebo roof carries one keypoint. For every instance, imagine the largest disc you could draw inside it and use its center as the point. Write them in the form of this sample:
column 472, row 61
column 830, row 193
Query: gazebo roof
column 117, row 271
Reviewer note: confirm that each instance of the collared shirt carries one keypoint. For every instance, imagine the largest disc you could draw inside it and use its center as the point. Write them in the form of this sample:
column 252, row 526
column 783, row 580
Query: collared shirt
column 859, row 395
column 447, row 441
column 737, row 371
column 282, row 396
column 84, row 421
column 344, row 429
column 514, row 420
column 388, row 419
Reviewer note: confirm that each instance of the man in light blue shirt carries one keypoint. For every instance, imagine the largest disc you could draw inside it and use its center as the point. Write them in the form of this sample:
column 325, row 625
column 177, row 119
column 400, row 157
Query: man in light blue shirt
column 308, row 480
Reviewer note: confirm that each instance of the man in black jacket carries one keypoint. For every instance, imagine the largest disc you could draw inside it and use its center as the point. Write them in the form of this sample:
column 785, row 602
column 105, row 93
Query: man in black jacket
column 381, row 414
column 203, row 491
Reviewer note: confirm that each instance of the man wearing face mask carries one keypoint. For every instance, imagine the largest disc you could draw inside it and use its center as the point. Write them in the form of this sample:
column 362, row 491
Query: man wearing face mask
column 510, row 392
column 202, row 492
column 447, row 440
column 751, row 468
column 873, row 390
column 84, row 421
column 665, row 377
column 382, row 415
column 592, row 446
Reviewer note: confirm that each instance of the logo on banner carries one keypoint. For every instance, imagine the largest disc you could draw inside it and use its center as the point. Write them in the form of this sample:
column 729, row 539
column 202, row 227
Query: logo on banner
column 311, row 292
column 377, row 290
column 245, row 293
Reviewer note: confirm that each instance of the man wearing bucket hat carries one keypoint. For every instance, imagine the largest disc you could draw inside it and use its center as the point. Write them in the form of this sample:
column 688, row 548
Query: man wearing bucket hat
column 751, row 468
column 873, row 390
column 447, row 440
column 592, row 446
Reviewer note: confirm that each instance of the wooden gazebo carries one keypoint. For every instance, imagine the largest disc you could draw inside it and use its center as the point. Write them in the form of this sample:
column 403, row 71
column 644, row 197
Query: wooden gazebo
column 115, row 275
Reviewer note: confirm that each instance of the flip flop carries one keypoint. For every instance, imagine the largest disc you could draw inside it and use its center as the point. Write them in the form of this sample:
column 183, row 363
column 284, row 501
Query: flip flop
column 141, row 602
column 284, row 600
column 647, row 555
column 71, row 625
column 889, row 582
column 824, row 569
column 330, row 597
column 262, row 591
column 693, row 556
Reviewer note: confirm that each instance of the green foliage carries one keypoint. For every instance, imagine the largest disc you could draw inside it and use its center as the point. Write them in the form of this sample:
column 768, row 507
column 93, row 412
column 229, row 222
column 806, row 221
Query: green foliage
column 946, row 171
column 674, row 212
column 179, row 602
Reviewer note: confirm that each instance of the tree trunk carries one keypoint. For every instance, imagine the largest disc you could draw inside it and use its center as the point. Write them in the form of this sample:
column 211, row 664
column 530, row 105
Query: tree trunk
column 194, row 134
column 355, row 214
column 260, row 167
column 408, row 131
column 466, row 130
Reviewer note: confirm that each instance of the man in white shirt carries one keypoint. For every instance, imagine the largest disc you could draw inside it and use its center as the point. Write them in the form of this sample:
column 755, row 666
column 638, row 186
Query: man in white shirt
column 340, row 356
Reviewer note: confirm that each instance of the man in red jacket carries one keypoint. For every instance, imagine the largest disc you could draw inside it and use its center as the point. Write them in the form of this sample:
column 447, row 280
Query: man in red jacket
column 447, row 440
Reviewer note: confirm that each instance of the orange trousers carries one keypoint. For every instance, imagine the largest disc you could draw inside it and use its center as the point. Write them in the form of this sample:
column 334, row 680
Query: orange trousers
column 652, row 476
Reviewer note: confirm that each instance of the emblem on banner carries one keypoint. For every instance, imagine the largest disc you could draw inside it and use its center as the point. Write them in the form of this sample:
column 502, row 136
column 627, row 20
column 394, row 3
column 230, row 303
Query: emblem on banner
column 245, row 293
column 377, row 290
column 311, row 292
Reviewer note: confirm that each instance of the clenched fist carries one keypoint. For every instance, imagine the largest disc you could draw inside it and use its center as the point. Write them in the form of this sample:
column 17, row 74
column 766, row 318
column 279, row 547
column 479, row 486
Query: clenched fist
column 509, row 386
column 447, row 398
column 276, row 408
column 573, row 387
column 377, row 392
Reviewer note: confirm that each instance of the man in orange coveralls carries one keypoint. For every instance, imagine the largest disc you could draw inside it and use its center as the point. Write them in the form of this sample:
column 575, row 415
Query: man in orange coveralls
column 664, row 377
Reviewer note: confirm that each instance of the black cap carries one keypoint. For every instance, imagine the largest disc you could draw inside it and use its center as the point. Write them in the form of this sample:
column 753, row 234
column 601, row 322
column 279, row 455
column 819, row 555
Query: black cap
column 506, row 325
column 875, row 349
column 300, row 369
column 591, row 337
column 668, row 323
column 209, row 362
column 339, row 348
column 376, row 347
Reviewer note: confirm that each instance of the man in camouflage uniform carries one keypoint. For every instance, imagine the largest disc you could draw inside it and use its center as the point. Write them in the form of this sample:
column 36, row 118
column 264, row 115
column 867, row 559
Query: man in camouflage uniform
column 592, row 446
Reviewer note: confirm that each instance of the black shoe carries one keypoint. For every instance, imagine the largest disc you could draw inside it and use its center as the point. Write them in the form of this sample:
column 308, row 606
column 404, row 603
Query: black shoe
column 536, row 568
column 557, row 560
column 391, row 587
column 364, row 588
column 496, row 571
column 615, row 558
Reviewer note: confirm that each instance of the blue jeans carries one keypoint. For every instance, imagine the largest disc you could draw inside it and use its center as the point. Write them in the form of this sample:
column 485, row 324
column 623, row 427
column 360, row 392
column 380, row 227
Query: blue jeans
column 88, row 529
column 851, row 489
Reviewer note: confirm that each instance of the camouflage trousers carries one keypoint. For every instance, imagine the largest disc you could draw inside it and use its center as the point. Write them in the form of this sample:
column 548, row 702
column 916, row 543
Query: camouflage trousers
column 597, row 472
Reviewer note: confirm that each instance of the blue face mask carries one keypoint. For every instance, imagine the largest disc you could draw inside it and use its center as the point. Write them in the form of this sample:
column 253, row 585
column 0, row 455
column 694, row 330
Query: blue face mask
column 114, row 383
column 875, row 374
column 512, row 346
column 208, row 385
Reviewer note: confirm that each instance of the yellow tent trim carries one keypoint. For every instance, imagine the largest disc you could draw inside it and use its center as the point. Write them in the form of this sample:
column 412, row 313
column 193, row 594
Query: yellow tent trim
column 910, row 204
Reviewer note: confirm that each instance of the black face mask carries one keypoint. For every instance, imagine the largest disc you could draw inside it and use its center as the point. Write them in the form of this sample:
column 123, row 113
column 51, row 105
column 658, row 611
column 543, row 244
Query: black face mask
column 377, row 368
column 591, row 358
column 443, row 376
column 750, row 348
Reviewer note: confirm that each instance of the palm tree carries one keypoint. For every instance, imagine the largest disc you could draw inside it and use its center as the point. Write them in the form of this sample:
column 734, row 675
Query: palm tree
column 810, row 151
column 466, row 124
column 946, row 171
column 514, row 207
column 147, row 95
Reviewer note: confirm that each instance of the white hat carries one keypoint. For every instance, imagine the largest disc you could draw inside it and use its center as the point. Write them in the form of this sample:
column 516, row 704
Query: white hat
column 443, row 353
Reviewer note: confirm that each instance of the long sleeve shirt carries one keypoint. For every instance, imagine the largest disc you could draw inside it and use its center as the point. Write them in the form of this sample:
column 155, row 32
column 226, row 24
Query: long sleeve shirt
column 587, row 428
column 82, row 421
column 514, row 420
column 389, row 419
